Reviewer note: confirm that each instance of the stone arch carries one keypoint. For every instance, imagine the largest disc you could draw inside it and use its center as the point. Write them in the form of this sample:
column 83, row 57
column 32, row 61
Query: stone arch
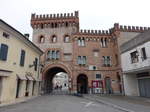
column 60, row 65
column 50, row 71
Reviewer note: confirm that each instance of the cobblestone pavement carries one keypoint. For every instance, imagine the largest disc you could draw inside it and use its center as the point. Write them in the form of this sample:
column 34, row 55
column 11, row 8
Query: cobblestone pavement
column 129, row 104
column 59, row 103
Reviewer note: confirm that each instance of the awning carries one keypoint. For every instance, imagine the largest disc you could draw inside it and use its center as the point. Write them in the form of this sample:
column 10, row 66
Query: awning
column 22, row 77
column 5, row 73
column 29, row 77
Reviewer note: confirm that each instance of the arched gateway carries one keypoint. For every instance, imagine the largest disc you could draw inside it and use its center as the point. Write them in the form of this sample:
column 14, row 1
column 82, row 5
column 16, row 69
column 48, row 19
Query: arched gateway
column 49, row 72
column 77, row 52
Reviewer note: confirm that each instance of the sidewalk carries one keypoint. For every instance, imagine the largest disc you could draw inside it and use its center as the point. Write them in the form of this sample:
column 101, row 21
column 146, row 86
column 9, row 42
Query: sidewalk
column 17, row 101
column 124, row 103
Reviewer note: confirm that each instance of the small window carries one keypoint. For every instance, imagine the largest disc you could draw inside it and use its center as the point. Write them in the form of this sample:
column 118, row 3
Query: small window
column 66, row 39
column 82, row 60
column 98, row 76
column 134, row 57
column 56, row 25
column 41, row 39
column 22, row 58
column 52, row 25
column 42, row 26
column 53, row 55
column 66, row 24
column 54, row 39
column 103, row 42
column 81, row 42
column 96, row 53
column 3, row 52
column 143, row 52
column 6, row 35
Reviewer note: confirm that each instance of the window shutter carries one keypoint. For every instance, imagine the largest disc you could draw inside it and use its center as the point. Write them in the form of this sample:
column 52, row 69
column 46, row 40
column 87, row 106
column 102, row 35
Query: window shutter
column 36, row 63
column 22, row 58
column 3, row 52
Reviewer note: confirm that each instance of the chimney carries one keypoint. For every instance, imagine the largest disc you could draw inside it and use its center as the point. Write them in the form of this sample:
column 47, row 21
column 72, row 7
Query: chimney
column 27, row 35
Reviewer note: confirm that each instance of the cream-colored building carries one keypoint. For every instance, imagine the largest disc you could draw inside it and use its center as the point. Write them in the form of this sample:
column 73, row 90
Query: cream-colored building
column 19, row 66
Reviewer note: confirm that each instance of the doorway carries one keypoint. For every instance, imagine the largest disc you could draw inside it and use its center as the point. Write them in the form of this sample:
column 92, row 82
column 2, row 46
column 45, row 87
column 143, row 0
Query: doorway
column 82, row 84
column 108, row 85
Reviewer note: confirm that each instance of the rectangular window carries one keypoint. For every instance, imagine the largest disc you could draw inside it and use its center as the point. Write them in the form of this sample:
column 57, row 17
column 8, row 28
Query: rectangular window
column 143, row 52
column 98, row 76
column 35, row 64
column 22, row 58
column 6, row 35
column 134, row 57
column 81, row 60
column 81, row 42
column 3, row 52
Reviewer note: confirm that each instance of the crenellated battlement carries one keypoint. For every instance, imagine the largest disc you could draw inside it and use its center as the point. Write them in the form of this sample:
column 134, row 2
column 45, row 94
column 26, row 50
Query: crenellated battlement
column 55, row 16
column 55, row 20
column 125, row 28
column 95, row 32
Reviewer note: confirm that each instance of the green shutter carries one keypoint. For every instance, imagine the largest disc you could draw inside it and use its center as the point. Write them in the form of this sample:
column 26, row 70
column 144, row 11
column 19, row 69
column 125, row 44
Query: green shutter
column 3, row 52
column 22, row 58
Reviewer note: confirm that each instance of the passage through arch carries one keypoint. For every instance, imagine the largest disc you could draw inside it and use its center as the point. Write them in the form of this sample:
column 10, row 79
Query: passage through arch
column 56, row 81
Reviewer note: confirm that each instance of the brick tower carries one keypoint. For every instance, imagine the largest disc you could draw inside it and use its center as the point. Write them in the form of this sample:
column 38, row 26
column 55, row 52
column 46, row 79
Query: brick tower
column 90, row 57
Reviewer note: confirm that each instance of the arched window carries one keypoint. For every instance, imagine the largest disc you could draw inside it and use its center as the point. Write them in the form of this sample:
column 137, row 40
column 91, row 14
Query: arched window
column 56, row 25
column 105, row 42
column 101, row 42
column 66, row 24
column 52, row 25
column 42, row 26
column 54, row 39
column 66, row 38
column 81, row 42
column 41, row 39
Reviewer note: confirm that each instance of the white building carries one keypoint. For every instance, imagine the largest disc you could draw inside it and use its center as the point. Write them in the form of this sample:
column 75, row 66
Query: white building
column 61, row 80
column 135, row 59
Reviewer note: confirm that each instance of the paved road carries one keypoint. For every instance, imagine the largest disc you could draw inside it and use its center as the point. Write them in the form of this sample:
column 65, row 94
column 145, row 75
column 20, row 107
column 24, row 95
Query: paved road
column 59, row 103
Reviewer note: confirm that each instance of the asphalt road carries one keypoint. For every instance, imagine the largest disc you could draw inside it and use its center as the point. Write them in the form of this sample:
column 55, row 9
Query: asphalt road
column 58, row 103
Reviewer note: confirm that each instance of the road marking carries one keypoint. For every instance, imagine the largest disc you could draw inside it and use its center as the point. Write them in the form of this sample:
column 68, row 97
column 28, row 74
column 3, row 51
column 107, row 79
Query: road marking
column 87, row 104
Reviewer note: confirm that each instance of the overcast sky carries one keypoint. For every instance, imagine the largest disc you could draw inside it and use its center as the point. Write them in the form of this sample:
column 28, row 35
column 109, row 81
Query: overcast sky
column 93, row 14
